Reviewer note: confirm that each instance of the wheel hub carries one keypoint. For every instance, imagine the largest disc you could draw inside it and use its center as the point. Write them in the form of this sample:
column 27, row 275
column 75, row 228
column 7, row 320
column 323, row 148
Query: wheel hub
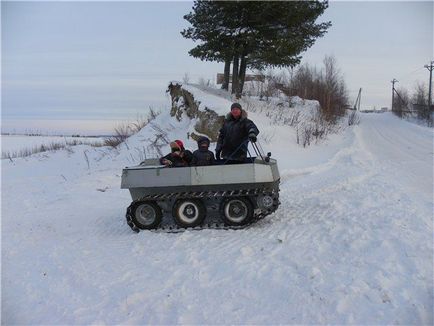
column 190, row 211
column 236, row 210
column 267, row 201
column 145, row 214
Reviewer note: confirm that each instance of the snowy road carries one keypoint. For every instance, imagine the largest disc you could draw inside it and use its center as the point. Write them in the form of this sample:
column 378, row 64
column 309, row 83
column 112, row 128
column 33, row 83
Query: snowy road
column 351, row 243
column 406, row 151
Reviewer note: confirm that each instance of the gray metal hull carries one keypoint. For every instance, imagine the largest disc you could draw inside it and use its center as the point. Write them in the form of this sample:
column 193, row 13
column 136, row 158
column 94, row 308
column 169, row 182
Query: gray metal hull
column 146, row 180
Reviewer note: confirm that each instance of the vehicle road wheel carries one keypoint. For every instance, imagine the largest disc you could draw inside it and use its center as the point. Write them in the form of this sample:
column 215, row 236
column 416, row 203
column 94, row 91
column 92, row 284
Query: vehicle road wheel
column 189, row 213
column 236, row 211
column 146, row 215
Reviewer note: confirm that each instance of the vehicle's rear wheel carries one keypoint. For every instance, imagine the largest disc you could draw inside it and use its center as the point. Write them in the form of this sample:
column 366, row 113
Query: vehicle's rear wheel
column 236, row 211
column 189, row 213
column 146, row 215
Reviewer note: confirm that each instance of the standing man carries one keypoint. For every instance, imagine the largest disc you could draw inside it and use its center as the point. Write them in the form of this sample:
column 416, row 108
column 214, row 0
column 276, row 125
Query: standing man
column 234, row 135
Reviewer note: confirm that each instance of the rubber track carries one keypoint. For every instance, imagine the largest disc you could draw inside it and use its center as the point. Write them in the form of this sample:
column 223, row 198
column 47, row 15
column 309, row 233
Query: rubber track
column 206, row 194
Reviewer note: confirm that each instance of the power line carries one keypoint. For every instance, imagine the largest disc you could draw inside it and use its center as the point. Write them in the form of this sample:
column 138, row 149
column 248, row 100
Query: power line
column 410, row 73
column 405, row 78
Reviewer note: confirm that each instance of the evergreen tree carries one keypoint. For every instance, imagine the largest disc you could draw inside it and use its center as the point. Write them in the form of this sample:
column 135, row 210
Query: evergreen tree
column 208, row 27
column 253, row 34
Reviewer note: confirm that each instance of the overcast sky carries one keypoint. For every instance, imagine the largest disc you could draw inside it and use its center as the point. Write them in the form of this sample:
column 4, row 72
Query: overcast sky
column 95, row 62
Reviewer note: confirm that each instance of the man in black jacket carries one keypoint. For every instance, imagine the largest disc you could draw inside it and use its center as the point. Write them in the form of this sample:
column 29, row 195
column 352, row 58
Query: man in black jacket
column 234, row 135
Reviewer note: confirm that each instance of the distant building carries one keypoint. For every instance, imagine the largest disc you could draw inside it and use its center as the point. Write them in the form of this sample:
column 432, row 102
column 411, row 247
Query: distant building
column 366, row 110
column 374, row 110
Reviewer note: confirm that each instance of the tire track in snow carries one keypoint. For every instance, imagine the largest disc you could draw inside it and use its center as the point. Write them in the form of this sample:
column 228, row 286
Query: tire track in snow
column 347, row 240
column 395, row 154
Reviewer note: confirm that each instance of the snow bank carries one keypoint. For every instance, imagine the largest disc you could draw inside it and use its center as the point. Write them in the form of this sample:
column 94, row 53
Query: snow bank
column 350, row 243
column 15, row 143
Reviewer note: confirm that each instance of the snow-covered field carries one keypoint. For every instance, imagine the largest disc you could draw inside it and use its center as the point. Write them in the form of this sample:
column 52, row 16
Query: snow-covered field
column 16, row 143
column 351, row 243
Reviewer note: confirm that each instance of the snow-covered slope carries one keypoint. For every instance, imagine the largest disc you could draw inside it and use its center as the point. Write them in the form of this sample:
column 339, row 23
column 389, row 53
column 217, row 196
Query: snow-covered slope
column 351, row 242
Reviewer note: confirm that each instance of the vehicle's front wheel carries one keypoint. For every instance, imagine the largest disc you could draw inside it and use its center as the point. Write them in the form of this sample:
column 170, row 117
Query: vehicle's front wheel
column 189, row 213
column 236, row 211
column 146, row 215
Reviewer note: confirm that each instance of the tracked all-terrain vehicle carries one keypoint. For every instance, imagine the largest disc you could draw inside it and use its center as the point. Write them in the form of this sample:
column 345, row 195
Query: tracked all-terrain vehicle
column 217, row 196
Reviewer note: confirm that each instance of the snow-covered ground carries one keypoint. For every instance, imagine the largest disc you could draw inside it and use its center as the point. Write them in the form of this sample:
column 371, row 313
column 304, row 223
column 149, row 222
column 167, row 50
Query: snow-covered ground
column 352, row 241
column 16, row 143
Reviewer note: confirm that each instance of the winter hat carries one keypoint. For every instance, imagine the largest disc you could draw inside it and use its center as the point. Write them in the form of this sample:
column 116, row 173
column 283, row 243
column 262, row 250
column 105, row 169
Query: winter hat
column 180, row 143
column 236, row 105
column 202, row 139
column 177, row 144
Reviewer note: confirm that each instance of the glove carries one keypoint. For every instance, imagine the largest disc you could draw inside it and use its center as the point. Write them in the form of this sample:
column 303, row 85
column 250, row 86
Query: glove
column 218, row 153
column 252, row 137
column 166, row 162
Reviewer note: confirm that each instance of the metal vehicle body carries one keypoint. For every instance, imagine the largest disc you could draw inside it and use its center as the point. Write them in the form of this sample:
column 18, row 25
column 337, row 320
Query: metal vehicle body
column 226, row 195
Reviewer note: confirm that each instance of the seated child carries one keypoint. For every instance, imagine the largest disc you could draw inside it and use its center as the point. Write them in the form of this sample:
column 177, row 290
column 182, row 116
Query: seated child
column 179, row 156
column 203, row 156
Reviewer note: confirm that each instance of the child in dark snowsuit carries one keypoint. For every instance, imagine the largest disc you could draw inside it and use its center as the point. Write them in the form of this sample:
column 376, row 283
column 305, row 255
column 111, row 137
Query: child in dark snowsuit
column 202, row 156
column 179, row 156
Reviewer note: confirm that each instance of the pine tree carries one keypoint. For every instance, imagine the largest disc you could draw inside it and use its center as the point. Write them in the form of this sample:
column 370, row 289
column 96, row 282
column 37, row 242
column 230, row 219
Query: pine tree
column 253, row 34
column 207, row 26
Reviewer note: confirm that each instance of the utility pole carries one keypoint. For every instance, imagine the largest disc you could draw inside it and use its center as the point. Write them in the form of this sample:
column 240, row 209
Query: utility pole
column 393, row 90
column 358, row 99
column 430, row 67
